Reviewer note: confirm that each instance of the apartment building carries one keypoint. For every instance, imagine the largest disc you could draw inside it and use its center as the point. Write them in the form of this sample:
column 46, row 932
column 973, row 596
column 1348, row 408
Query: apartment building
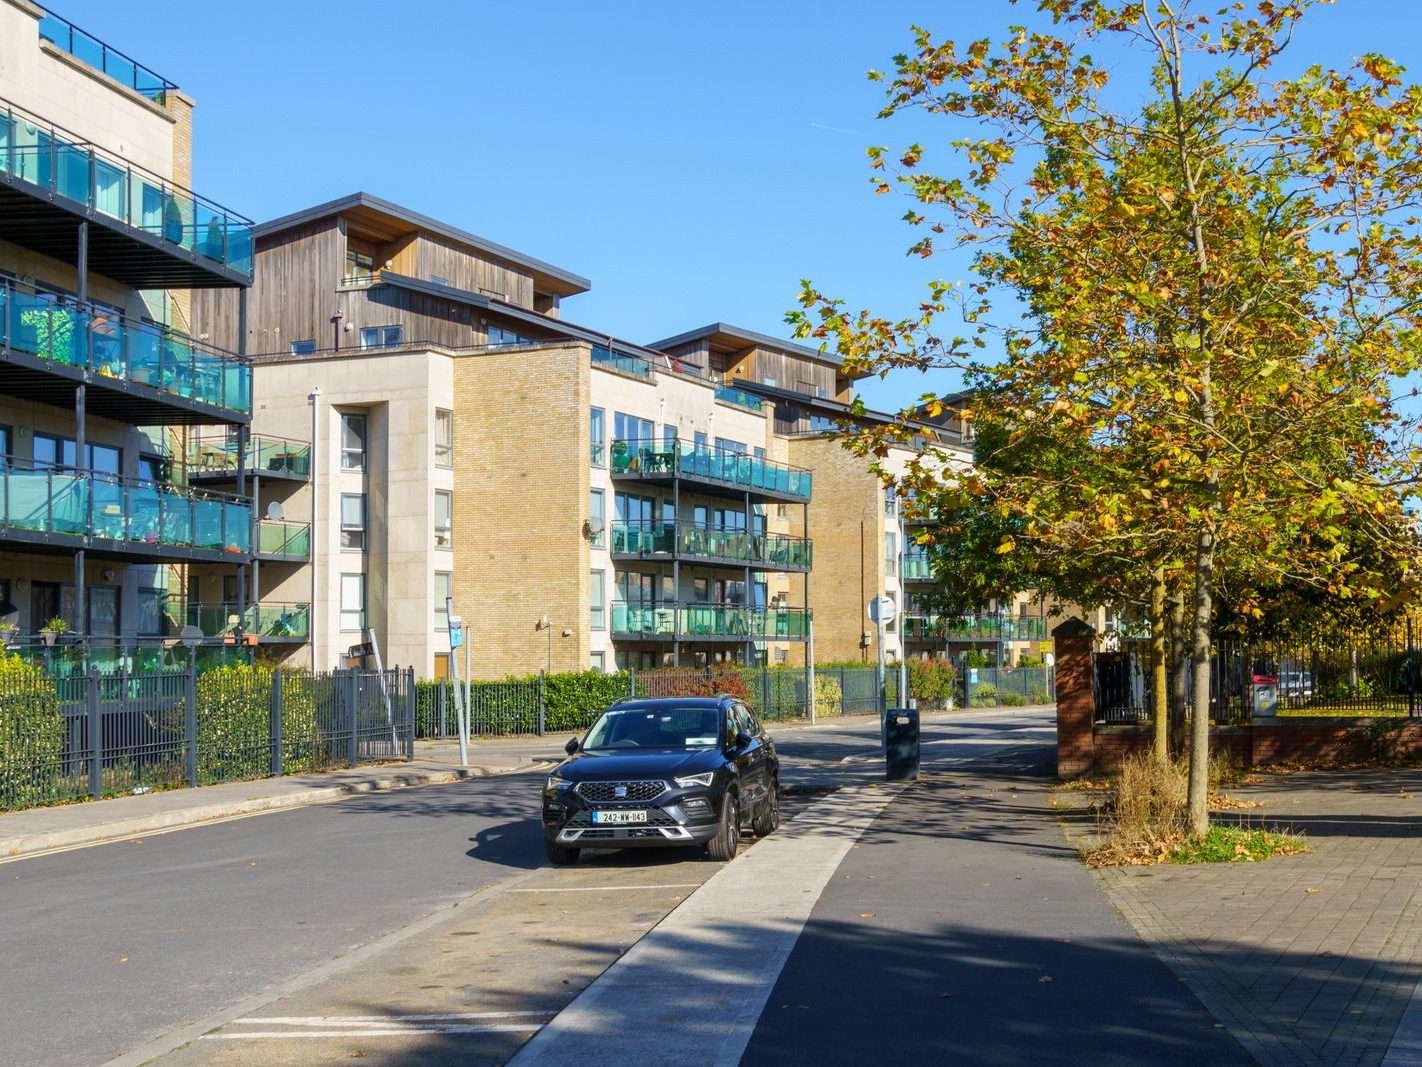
column 102, row 379
column 583, row 500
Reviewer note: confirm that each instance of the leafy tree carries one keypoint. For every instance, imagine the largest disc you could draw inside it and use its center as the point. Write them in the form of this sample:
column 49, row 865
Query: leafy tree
column 1197, row 305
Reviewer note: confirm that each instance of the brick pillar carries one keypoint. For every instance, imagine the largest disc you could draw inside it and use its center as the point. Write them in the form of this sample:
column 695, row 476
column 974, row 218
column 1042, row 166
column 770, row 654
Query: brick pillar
column 1074, row 641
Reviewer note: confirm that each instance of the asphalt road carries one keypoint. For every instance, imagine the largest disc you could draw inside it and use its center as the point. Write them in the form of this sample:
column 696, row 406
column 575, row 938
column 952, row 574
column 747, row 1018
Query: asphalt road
column 112, row 946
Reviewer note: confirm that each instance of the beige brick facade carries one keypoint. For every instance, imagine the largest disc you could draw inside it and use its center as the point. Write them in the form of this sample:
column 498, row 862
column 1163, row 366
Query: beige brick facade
column 521, row 457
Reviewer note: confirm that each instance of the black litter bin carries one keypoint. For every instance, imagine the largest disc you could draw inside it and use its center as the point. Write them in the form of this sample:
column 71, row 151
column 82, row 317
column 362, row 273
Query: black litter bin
column 901, row 744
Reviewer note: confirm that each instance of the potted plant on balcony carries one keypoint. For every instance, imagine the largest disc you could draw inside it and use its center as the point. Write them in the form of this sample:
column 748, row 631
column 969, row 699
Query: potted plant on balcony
column 619, row 455
column 50, row 631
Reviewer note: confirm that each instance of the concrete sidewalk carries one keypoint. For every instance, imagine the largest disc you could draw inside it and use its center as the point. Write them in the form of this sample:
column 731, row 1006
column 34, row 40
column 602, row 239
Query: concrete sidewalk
column 69, row 825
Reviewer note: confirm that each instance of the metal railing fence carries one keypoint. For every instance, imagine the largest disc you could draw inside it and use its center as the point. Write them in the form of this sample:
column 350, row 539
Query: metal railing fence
column 90, row 735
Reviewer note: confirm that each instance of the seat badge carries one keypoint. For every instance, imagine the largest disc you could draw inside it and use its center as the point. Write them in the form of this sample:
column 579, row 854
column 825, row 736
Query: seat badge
column 619, row 792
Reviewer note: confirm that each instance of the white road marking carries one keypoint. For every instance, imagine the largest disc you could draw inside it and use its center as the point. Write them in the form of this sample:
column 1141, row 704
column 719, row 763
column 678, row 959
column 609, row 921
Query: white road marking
column 402, row 1031
column 605, row 888
column 361, row 1020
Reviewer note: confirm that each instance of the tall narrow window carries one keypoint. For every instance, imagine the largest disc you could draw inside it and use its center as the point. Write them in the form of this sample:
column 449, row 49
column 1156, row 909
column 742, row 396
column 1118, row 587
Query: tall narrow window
column 444, row 519
column 353, row 520
column 597, row 432
column 352, row 442
column 891, row 552
column 597, row 518
column 444, row 438
column 353, row 602
column 380, row 336
column 597, row 601
column 443, row 590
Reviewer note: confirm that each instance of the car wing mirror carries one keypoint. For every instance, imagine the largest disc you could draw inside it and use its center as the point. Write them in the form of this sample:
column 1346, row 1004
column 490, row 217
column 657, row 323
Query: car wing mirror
column 571, row 746
column 743, row 740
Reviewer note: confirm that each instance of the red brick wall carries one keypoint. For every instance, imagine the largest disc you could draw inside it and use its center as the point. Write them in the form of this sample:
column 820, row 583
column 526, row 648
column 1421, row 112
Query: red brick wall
column 1076, row 698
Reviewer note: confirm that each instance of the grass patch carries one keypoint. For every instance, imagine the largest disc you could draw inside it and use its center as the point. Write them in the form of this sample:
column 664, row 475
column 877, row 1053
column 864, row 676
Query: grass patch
column 1235, row 844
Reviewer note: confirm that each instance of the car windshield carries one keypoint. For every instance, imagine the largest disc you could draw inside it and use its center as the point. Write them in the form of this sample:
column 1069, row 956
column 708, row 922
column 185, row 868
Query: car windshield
column 683, row 728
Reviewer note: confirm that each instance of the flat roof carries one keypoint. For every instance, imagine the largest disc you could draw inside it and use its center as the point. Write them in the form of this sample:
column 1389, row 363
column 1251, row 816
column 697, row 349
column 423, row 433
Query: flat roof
column 549, row 278
column 729, row 336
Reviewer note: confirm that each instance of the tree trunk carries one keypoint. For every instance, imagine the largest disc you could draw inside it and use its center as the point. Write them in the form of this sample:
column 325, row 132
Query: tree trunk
column 1158, row 672
column 1179, row 672
column 1200, row 710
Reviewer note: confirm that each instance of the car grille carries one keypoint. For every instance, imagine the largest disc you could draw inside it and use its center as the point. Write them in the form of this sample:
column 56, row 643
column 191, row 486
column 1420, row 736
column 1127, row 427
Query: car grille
column 633, row 792
column 621, row 833
column 655, row 817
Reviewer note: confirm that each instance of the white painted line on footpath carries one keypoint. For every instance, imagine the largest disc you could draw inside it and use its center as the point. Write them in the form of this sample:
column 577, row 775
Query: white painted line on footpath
column 698, row 981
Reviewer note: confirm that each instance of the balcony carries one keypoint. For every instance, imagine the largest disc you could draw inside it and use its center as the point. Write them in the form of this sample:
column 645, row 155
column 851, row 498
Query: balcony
column 283, row 542
column 707, row 622
column 93, row 52
column 269, row 622
column 917, row 568
column 148, row 233
column 212, row 458
column 920, row 627
column 64, row 508
column 714, row 469
column 735, row 548
column 729, row 394
column 137, row 373
column 603, row 357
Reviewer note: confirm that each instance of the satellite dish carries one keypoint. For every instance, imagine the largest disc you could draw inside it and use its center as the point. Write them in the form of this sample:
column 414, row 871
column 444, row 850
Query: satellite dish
column 191, row 636
column 275, row 512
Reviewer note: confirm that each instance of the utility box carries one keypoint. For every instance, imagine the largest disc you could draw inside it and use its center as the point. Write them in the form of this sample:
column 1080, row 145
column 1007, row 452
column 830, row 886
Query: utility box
column 1264, row 696
column 901, row 744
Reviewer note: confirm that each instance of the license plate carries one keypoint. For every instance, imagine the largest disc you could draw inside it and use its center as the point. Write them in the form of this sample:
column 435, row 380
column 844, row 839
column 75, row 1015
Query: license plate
column 608, row 818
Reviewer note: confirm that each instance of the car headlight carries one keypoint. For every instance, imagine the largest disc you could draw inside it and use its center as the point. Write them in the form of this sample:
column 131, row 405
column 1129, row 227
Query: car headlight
column 554, row 780
column 703, row 779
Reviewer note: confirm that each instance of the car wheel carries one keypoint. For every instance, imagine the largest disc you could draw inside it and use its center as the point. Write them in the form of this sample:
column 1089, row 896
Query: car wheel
column 723, row 846
column 767, row 820
column 559, row 855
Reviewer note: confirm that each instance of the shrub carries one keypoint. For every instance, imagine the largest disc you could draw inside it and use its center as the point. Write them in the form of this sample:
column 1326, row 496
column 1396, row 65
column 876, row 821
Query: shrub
column 572, row 701
column 1013, row 700
column 31, row 735
column 829, row 697
column 1029, row 661
column 976, row 657
column 1039, row 695
column 985, row 695
column 932, row 681
column 234, row 711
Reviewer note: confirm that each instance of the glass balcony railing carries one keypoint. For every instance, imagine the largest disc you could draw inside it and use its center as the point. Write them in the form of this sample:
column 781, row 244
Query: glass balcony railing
column 278, row 621
column 731, row 395
column 82, row 503
column 211, row 453
column 51, row 326
column 703, row 463
column 291, row 540
column 604, row 357
column 64, row 164
column 101, row 57
column 973, row 628
column 917, row 568
column 730, row 621
column 768, row 551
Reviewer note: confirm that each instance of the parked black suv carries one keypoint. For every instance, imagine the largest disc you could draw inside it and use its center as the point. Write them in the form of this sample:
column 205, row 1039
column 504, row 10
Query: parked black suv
column 666, row 771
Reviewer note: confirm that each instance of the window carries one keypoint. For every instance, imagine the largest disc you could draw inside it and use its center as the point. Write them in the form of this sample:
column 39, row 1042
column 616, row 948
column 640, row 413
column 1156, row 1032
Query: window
column 443, row 590
column 380, row 336
column 444, row 438
column 698, row 440
column 360, row 266
column 302, row 348
column 352, row 602
column 891, row 504
column 891, row 552
column 44, row 603
column 352, row 442
column 725, row 444
column 50, row 451
column 597, row 601
column 633, row 429
column 599, row 662
column 435, row 279
column 669, row 436
column 353, row 520
column 444, row 519
column 769, row 379
column 597, row 518
column 4, row 442
column 498, row 335
column 597, row 433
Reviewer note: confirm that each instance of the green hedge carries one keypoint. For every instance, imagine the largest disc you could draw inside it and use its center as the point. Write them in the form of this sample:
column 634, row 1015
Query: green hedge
column 31, row 735
column 234, row 705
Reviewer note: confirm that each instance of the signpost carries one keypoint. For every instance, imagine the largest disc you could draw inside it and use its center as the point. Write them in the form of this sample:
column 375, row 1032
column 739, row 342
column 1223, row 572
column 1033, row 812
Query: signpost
column 881, row 611
column 461, row 710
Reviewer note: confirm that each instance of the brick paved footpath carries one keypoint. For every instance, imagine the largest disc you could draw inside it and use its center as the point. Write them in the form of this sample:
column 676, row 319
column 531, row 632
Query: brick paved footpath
column 1309, row 959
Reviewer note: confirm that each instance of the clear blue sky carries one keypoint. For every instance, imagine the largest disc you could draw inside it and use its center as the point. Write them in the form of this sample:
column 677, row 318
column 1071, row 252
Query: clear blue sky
column 693, row 160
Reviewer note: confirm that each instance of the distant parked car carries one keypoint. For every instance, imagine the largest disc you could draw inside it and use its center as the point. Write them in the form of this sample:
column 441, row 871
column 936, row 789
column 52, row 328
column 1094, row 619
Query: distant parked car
column 664, row 772
column 1296, row 684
